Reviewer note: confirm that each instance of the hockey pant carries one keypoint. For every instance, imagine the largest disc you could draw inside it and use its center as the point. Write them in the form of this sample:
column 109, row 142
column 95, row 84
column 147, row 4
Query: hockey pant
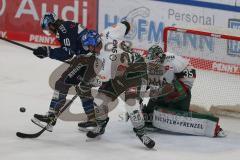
column 129, row 83
column 71, row 76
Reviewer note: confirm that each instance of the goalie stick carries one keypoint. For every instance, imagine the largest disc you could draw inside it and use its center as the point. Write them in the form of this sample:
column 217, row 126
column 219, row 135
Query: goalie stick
column 35, row 135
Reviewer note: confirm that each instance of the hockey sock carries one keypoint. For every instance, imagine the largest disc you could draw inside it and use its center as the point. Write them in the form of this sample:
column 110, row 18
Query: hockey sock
column 88, row 107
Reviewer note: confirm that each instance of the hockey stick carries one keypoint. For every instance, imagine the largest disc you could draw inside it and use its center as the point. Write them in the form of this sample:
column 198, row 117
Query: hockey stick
column 18, row 44
column 24, row 46
column 35, row 135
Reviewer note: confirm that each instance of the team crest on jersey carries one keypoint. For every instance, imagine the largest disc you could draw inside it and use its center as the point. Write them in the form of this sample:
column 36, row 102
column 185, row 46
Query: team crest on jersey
column 72, row 26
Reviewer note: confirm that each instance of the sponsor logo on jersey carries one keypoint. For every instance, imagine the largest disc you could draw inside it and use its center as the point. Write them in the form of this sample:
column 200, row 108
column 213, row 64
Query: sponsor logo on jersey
column 142, row 52
column 63, row 29
column 103, row 63
column 172, row 57
column 113, row 57
column 115, row 43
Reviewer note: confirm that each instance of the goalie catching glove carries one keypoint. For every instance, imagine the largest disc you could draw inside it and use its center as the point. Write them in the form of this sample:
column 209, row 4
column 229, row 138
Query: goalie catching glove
column 178, row 92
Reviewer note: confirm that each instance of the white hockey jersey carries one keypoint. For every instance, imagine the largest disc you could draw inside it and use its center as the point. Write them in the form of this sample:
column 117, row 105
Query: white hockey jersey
column 179, row 68
column 110, row 57
column 173, row 67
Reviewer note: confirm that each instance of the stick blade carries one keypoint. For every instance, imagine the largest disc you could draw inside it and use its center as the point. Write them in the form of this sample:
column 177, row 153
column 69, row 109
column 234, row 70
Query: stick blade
column 25, row 135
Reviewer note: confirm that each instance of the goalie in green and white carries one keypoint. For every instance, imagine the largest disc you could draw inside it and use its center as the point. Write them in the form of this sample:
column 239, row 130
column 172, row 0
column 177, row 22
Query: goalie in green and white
column 170, row 79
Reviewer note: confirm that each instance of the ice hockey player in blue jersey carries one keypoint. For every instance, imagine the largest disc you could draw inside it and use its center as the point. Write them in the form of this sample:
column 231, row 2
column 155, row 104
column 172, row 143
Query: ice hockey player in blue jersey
column 69, row 35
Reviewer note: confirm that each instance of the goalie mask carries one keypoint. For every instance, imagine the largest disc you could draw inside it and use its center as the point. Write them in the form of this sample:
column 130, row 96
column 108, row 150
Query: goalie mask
column 155, row 67
column 47, row 23
column 155, row 53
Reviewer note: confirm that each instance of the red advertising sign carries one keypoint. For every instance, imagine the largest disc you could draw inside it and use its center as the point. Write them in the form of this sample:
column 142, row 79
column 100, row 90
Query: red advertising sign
column 20, row 19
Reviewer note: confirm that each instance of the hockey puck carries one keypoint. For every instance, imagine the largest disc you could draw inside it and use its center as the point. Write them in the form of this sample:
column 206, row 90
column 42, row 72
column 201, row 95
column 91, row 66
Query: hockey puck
column 22, row 109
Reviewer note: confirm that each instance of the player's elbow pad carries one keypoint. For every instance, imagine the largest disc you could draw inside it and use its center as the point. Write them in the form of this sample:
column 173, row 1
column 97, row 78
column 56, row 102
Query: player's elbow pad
column 127, row 24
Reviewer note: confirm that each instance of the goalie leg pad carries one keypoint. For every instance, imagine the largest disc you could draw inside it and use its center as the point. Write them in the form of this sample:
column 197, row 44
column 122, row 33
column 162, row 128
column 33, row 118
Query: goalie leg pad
column 185, row 122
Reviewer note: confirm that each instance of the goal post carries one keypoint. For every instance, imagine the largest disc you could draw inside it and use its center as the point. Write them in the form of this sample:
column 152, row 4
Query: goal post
column 215, row 53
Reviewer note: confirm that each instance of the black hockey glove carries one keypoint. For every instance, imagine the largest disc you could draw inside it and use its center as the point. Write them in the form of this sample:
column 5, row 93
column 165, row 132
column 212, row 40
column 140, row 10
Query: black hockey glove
column 42, row 52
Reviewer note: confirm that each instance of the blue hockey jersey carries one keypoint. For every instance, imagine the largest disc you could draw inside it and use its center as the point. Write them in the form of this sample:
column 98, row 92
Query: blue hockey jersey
column 69, row 35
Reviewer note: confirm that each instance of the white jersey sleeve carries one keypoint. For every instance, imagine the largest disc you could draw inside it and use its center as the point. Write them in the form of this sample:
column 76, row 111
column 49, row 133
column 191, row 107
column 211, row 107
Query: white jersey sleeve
column 182, row 69
column 116, row 31
column 110, row 54
column 178, row 63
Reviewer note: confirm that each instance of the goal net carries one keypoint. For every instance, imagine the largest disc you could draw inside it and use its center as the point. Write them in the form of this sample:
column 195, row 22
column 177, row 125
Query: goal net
column 215, row 53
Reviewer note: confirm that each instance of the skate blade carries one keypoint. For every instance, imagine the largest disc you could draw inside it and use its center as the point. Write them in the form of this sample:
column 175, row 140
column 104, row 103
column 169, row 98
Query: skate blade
column 93, row 139
column 86, row 129
column 38, row 123
column 221, row 135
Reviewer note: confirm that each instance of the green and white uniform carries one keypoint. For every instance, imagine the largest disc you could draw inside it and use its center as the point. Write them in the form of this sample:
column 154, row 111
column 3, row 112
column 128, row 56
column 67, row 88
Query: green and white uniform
column 170, row 84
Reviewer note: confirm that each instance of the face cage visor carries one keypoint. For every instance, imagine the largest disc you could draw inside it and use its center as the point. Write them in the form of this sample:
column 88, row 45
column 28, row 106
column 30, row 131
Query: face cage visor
column 45, row 26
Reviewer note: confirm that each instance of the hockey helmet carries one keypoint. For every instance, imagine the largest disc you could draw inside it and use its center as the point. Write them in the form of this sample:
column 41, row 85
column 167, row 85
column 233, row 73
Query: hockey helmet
column 156, row 53
column 47, row 19
column 91, row 38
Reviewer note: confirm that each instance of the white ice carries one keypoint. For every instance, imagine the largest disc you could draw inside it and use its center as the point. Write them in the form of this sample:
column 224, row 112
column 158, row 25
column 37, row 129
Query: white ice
column 24, row 83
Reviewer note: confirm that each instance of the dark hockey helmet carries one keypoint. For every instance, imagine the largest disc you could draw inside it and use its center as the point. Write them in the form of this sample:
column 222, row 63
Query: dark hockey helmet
column 91, row 38
column 156, row 53
column 47, row 19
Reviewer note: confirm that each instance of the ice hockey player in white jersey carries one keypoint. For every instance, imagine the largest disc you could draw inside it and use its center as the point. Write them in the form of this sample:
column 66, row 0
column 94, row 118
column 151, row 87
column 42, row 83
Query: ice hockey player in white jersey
column 171, row 78
column 119, row 73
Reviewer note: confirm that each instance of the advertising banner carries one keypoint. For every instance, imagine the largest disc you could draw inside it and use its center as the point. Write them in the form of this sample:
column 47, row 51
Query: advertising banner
column 20, row 19
column 149, row 18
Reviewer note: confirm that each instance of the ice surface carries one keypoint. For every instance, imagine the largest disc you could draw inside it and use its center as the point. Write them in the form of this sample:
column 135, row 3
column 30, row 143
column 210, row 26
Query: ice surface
column 24, row 83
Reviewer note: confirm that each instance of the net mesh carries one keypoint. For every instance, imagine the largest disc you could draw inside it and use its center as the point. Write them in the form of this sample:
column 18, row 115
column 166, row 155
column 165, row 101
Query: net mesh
column 215, row 53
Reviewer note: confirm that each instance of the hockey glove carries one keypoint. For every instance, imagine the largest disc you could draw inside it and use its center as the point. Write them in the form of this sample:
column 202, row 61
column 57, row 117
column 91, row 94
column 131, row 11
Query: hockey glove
column 42, row 52
column 179, row 93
